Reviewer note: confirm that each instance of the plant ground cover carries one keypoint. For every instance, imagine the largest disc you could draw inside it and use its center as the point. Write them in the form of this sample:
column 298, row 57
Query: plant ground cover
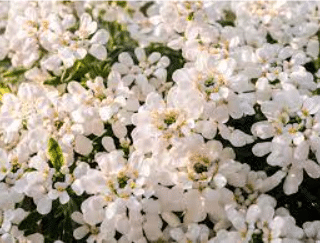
column 159, row 121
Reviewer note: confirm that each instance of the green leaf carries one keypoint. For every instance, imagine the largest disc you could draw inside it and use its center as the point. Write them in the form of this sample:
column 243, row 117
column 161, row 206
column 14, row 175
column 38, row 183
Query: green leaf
column 15, row 72
column 229, row 19
column 316, row 91
column 3, row 90
column 276, row 81
column 53, row 81
column 145, row 7
column 55, row 154
column 30, row 222
column 270, row 39
column 256, row 238
column 190, row 16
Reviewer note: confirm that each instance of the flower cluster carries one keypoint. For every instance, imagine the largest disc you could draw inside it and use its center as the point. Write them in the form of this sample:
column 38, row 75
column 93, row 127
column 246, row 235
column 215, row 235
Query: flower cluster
column 162, row 121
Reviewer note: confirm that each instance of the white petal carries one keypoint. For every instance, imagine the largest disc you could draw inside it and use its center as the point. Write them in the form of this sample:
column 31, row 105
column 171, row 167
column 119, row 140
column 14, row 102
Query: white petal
column 66, row 56
column 3, row 47
column 119, row 130
column 261, row 149
column 98, row 51
column 140, row 54
column 100, row 37
column 272, row 181
column 220, row 114
column 120, row 68
column 152, row 227
column 35, row 238
column 220, row 181
column 53, row 194
column 122, row 225
column 161, row 74
column 293, row 180
column 312, row 168
column 108, row 144
column 262, row 130
column 76, row 88
column 195, row 208
column 83, row 145
column 77, row 187
column 253, row 213
column 132, row 104
column 77, row 217
column 44, row 205
column 239, row 138
column 105, row 113
column 154, row 57
column 97, row 127
column 64, row 198
column 80, row 232
column 94, row 217
column 126, row 59
column 171, row 219
column 276, row 225
column 313, row 48
column 301, row 151
column 177, row 234
column 209, row 130
column 81, row 53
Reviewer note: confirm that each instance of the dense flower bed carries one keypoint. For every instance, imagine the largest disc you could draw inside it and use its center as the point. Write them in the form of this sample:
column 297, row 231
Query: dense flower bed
column 163, row 121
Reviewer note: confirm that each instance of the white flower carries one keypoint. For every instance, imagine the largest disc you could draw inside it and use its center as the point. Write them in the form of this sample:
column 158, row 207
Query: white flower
column 87, row 26
column 59, row 192
column 92, row 209
column 235, row 136
column 79, row 171
column 81, row 231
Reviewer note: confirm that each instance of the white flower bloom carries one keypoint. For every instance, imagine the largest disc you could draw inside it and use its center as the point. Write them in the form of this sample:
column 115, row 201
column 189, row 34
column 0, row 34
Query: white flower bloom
column 143, row 137
column 81, row 231
column 59, row 192
column 87, row 26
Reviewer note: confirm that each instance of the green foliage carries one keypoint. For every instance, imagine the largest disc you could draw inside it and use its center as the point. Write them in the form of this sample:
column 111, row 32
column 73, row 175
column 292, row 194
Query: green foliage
column 229, row 18
column 55, row 154
column 122, row 180
column 145, row 7
column 276, row 81
column 3, row 89
column 190, row 16
column 270, row 39
column 87, row 66
column 55, row 225
column 31, row 223
column 120, row 41
column 9, row 74
column 58, row 223
column 256, row 238
column 119, row 36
